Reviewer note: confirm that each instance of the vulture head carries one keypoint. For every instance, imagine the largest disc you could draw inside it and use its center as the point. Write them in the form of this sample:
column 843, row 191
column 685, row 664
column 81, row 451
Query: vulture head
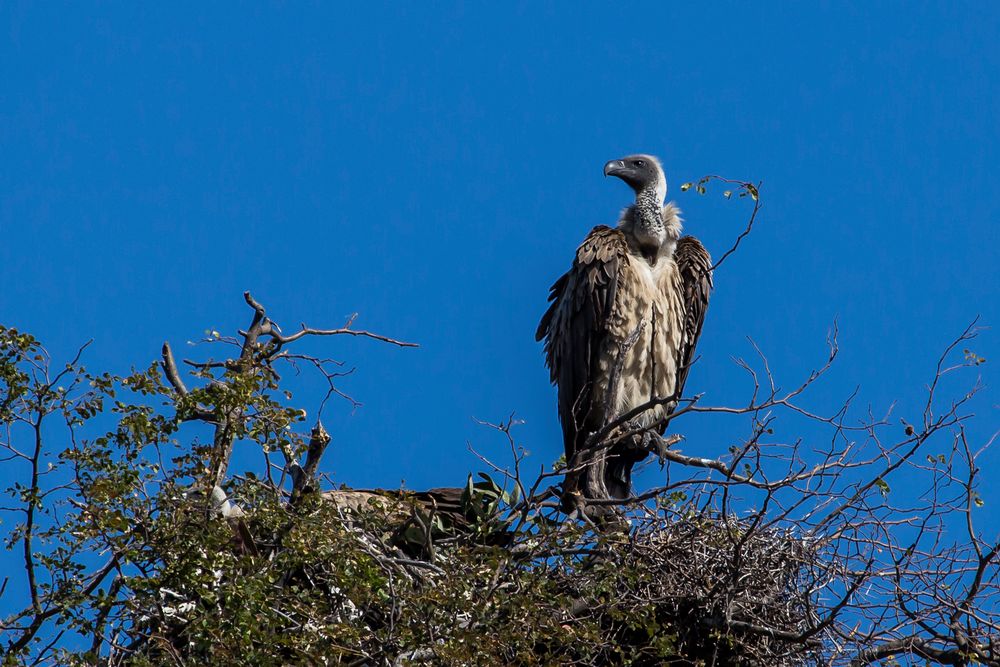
column 642, row 173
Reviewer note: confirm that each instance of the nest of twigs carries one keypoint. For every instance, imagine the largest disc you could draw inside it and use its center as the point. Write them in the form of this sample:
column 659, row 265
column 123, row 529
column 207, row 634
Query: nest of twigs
column 727, row 592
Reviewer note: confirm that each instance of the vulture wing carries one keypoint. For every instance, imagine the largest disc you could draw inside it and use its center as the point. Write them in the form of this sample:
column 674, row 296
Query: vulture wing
column 695, row 266
column 576, row 327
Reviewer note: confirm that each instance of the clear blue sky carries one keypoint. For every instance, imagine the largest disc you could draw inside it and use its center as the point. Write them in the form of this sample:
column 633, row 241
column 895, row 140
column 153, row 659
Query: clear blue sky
column 434, row 167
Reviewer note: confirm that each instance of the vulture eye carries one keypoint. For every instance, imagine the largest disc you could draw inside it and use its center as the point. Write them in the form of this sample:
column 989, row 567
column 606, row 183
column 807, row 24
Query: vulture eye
column 640, row 163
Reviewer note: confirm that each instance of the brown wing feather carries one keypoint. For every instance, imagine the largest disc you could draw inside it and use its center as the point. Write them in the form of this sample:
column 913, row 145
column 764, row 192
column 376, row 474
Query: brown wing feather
column 694, row 264
column 575, row 327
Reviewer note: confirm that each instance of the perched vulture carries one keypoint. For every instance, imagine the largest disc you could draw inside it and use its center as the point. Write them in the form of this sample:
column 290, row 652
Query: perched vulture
column 621, row 330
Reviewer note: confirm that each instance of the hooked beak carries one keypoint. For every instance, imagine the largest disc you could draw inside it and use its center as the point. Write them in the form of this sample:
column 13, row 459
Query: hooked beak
column 614, row 168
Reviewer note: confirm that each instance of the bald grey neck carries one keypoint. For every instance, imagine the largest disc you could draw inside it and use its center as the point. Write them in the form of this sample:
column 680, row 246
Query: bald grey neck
column 644, row 223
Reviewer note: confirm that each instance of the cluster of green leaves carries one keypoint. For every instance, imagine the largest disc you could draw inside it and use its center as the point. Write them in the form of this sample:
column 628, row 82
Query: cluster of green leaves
column 743, row 189
column 15, row 349
column 100, row 477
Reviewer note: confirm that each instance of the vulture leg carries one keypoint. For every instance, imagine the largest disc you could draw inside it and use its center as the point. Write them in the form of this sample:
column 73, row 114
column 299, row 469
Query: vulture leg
column 621, row 460
column 622, row 457
column 615, row 473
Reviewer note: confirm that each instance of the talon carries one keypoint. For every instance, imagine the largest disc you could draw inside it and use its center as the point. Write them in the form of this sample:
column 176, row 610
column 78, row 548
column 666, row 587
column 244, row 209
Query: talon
column 659, row 445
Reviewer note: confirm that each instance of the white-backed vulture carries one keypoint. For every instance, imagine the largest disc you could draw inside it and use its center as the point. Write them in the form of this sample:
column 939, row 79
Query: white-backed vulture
column 621, row 330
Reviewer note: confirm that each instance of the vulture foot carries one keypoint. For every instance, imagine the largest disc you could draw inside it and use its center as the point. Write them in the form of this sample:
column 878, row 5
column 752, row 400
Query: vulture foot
column 657, row 444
